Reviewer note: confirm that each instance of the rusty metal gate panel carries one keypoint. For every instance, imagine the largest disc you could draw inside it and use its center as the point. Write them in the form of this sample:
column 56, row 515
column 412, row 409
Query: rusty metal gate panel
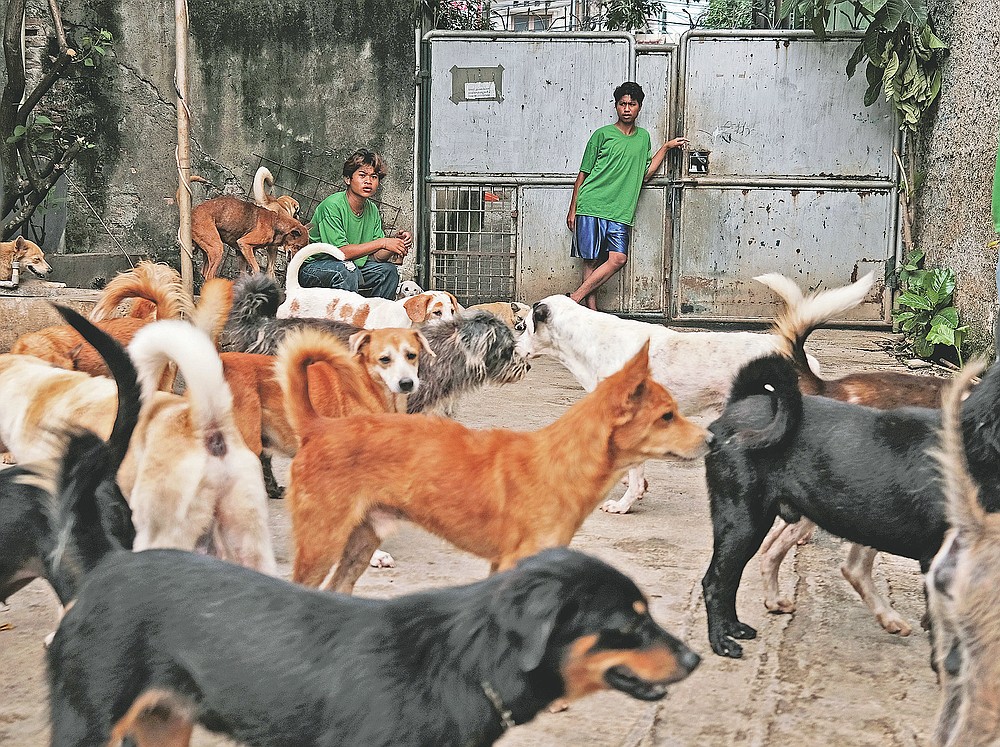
column 787, row 172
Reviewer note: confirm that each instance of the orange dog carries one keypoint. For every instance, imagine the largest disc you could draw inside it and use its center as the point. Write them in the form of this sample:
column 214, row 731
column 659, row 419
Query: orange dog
column 151, row 283
column 263, row 183
column 25, row 253
column 228, row 220
column 499, row 494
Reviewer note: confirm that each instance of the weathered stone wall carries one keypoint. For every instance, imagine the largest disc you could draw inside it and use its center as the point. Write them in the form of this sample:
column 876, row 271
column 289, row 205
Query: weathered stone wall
column 303, row 82
column 957, row 154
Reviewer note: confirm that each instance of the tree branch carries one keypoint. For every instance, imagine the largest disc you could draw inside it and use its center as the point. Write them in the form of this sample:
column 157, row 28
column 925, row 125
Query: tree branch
column 36, row 196
column 10, row 102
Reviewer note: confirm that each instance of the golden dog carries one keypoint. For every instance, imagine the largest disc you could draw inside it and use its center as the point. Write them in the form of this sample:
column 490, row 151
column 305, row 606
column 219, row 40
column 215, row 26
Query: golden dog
column 26, row 253
column 263, row 183
column 499, row 494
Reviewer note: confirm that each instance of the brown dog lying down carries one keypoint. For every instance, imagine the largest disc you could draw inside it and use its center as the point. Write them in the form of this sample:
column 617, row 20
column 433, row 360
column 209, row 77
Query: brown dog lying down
column 499, row 494
column 62, row 346
column 26, row 253
column 247, row 227
column 883, row 390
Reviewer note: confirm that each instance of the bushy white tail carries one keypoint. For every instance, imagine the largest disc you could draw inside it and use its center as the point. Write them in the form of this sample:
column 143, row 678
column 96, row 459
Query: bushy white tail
column 309, row 250
column 262, row 183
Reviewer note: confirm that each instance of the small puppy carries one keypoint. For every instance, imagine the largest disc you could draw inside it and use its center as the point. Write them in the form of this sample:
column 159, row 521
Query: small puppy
column 27, row 254
column 248, row 227
column 406, row 289
column 263, row 186
column 267, row 662
column 513, row 314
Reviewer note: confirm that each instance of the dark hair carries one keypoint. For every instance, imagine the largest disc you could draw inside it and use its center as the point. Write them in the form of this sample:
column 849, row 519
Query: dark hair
column 364, row 157
column 630, row 88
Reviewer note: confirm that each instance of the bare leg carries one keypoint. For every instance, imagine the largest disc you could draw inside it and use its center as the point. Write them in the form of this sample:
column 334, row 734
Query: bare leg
column 637, row 486
column 782, row 538
column 598, row 277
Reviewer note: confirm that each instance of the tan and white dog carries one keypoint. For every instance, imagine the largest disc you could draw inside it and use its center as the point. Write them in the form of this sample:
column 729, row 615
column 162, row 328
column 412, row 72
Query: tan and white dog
column 189, row 477
column 513, row 313
column 263, row 184
column 27, row 254
column 353, row 308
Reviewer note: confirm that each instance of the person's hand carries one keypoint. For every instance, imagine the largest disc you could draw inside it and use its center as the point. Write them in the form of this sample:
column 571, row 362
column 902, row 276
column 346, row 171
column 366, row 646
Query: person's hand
column 407, row 238
column 677, row 142
column 571, row 221
column 396, row 246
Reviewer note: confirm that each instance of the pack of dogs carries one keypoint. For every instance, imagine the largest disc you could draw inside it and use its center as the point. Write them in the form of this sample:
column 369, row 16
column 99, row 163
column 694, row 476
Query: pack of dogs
column 141, row 440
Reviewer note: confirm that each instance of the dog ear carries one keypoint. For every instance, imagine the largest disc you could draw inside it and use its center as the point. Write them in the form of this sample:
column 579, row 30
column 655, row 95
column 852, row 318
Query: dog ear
column 358, row 340
column 423, row 343
column 74, row 355
column 416, row 308
column 19, row 247
column 540, row 313
column 533, row 615
column 455, row 305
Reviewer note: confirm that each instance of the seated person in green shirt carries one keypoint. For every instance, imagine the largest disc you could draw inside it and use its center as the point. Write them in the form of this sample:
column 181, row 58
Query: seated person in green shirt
column 351, row 221
column 616, row 163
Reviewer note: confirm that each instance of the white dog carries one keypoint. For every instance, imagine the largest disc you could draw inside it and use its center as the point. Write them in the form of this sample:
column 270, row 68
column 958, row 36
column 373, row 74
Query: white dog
column 407, row 289
column 697, row 367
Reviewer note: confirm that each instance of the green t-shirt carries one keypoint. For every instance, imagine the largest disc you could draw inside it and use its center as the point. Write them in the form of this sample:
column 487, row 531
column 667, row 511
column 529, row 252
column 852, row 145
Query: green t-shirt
column 333, row 222
column 615, row 165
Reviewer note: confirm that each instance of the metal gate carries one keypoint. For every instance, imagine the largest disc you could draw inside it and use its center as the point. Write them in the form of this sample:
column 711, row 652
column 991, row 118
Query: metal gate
column 787, row 171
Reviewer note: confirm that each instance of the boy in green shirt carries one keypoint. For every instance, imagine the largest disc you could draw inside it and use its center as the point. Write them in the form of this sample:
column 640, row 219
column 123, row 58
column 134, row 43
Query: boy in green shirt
column 350, row 221
column 616, row 163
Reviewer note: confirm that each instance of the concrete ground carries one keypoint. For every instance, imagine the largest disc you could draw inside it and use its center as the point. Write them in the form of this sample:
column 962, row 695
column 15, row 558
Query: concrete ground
column 827, row 674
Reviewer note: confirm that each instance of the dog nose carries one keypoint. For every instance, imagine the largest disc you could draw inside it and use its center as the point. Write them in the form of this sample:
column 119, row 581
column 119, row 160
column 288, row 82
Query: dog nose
column 689, row 660
column 406, row 385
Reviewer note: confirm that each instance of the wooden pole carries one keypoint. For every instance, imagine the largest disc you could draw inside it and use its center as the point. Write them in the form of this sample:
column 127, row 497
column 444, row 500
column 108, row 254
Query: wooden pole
column 183, row 145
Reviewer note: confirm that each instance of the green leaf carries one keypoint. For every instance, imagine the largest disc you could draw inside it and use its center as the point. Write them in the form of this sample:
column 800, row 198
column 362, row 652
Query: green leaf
column 852, row 64
column 947, row 317
column 89, row 62
column 914, row 301
column 941, row 335
column 913, row 12
column 922, row 347
column 786, row 7
column 940, row 284
column 871, row 95
column 873, row 6
column 42, row 119
column 931, row 40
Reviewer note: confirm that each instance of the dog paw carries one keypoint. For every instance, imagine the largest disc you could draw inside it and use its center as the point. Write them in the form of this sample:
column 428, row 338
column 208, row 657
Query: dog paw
column 893, row 623
column 558, row 705
column 740, row 630
column 617, row 507
column 807, row 537
column 8, row 458
column 780, row 606
column 381, row 559
column 724, row 646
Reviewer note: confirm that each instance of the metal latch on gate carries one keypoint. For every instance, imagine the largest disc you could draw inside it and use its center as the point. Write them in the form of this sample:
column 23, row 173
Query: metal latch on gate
column 698, row 161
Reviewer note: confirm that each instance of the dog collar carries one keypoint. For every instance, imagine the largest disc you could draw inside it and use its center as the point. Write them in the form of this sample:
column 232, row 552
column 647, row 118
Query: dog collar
column 506, row 717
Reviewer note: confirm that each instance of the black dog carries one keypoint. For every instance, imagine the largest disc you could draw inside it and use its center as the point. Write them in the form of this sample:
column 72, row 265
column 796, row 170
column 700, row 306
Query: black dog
column 160, row 638
column 860, row 473
column 58, row 526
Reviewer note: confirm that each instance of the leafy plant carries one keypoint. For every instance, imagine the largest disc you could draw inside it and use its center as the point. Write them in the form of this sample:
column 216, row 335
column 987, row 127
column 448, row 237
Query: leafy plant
column 95, row 45
column 630, row 15
column 926, row 315
column 730, row 14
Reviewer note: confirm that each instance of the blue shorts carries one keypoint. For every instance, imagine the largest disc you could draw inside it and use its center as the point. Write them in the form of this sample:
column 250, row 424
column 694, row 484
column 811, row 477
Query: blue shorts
column 595, row 237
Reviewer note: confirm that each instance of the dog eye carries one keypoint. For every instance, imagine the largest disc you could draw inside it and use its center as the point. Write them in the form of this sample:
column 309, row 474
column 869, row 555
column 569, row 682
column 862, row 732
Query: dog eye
column 668, row 416
column 411, row 356
column 385, row 360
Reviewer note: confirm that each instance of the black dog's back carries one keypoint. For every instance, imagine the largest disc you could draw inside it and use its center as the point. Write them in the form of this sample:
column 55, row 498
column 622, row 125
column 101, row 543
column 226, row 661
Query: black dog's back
column 60, row 525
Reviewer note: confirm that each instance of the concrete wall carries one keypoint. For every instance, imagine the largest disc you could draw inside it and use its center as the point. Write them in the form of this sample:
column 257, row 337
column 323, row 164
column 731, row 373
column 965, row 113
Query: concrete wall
column 957, row 152
column 303, row 82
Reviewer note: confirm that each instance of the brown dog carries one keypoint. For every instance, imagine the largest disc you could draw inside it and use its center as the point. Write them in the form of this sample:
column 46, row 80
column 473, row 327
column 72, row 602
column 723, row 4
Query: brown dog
column 263, row 183
column 499, row 494
column 26, row 253
column 153, row 284
column 248, row 227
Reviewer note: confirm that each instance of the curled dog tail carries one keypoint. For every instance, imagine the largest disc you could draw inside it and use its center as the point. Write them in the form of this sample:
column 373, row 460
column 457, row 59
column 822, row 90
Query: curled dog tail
column 803, row 314
column 309, row 250
column 158, row 284
column 772, row 376
column 965, row 513
column 262, row 184
column 351, row 393
column 157, row 345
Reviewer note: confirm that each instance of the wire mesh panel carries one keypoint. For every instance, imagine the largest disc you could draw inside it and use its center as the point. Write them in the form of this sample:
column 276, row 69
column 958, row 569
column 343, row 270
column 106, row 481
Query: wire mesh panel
column 473, row 230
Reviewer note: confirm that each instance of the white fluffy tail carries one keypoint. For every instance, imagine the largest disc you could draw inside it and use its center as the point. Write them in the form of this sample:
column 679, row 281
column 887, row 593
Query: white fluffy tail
column 262, row 183
column 309, row 250
column 157, row 345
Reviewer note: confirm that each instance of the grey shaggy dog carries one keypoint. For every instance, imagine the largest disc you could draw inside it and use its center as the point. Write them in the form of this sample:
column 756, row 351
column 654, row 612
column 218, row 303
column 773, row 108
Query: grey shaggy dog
column 470, row 351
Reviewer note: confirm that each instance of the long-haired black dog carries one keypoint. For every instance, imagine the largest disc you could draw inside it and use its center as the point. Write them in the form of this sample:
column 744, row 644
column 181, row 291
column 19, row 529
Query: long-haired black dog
column 471, row 351
column 860, row 473
column 57, row 521
column 160, row 639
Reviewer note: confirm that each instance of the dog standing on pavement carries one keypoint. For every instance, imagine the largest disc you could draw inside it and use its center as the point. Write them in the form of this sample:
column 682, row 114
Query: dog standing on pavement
column 963, row 590
column 499, row 494
column 248, row 227
column 160, row 640
column 263, row 185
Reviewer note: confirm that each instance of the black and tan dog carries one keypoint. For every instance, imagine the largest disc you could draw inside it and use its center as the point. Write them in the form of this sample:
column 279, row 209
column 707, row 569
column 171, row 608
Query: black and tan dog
column 59, row 519
column 860, row 473
column 159, row 640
